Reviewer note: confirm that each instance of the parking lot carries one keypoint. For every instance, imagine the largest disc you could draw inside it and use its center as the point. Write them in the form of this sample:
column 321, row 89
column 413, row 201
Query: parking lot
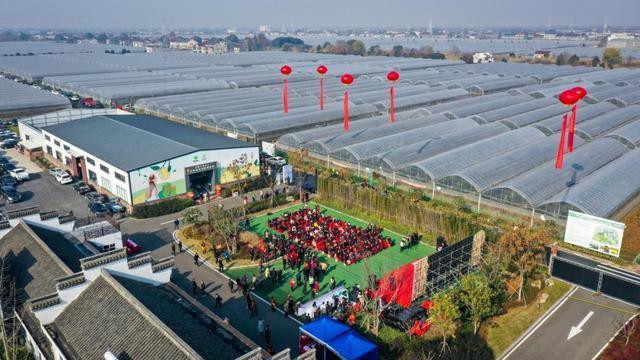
column 43, row 190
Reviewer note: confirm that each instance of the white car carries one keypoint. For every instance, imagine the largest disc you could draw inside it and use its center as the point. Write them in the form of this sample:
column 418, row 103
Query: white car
column 20, row 174
column 276, row 161
column 55, row 171
column 64, row 178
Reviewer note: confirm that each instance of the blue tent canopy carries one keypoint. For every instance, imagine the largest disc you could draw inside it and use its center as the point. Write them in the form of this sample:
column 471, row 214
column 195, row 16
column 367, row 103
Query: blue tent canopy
column 353, row 346
column 324, row 329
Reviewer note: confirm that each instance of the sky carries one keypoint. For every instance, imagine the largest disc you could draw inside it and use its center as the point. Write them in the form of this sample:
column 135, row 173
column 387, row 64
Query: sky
column 168, row 14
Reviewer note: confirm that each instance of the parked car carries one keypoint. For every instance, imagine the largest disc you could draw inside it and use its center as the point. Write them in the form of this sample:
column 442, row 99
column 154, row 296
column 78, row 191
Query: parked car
column 94, row 196
column 10, row 194
column 55, row 171
column 98, row 209
column 4, row 160
column 276, row 161
column 115, row 207
column 9, row 143
column 64, row 178
column 8, row 180
column 7, row 168
column 82, row 188
column 19, row 173
column 131, row 246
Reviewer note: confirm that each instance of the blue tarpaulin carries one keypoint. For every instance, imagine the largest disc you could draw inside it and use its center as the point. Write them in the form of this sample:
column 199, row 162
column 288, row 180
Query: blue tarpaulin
column 337, row 337
column 353, row 346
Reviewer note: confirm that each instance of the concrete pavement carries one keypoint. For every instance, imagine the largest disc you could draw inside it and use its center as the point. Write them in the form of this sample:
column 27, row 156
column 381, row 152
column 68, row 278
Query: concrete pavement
column 578, row 328
column 155, row 235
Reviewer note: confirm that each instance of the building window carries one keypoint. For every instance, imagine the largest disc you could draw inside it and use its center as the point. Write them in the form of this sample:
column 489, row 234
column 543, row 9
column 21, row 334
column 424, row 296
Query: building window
column 92, row 176
column 91, row 161
column 49, row 150
column 119, row 176
column 27, row 137
column 47, row 137
column 67, row 160
column 105, row 183
column 58, row 155
column 66, row 147
column 121, row 192
column 104, row 169
column 56, row 142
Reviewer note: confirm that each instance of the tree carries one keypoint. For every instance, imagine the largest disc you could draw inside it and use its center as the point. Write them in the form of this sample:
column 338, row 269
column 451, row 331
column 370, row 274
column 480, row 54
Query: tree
column 397, row 50
column 281, row 41
column 523, row 245
column 238, row 173
column 561, row 59
column 357, row 47
column 595, row 62
column 611, row 57
column 102, row 38
column 477, row 296
column 224, row 225
column 233, row 38
column 191, row 216
column 445, row 316
column 573, row 60
column 467, row 58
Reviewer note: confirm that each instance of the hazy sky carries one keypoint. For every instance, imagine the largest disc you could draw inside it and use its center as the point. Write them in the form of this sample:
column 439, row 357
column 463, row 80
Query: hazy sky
column 110, row 14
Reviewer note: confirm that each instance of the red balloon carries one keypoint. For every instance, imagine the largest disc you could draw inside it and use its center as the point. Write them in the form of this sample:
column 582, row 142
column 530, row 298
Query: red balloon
column 393, row 76
column 285, row 70
column 322, row 69
column 569, row 97
column 582, row 92
column 347, row 79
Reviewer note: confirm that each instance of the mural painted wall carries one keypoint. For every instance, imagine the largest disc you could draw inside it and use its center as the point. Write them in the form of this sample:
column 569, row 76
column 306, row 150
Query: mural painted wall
column 166, row 179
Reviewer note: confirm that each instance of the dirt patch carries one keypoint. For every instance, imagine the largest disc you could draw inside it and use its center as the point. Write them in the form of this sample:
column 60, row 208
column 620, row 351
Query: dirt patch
column 631, row 241
column 201, row 245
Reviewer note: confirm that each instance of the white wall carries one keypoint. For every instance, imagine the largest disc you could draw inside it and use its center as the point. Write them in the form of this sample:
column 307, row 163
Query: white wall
column 30, row 137
column 110, row 177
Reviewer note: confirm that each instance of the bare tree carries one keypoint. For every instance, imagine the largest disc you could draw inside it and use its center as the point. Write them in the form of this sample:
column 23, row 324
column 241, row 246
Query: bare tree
column 224, row 224
column 627, row 328
column 8, row 319
column 371, row 320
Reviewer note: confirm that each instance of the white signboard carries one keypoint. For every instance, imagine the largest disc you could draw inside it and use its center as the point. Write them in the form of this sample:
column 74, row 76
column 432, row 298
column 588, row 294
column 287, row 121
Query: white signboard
column 595, row 233
column 269, row 148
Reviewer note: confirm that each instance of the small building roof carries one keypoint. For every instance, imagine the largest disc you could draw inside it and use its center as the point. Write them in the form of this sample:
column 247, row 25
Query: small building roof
column 33, row 265
column 131, row 142
column 106, row 317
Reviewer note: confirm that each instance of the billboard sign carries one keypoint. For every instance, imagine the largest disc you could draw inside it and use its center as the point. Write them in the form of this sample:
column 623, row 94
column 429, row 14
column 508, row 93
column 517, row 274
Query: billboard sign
column 594, row 233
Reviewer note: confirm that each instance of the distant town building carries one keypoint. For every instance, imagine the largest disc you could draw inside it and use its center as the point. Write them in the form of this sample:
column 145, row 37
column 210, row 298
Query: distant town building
column 137, row 44
column 215, row 49
column 541, row 54
column 622, row 40
column 264, row 28
column 183, row 45
column 482, row 58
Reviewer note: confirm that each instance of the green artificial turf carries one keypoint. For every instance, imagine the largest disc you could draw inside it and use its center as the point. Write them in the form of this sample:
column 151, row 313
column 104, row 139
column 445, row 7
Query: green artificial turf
column 381, row 263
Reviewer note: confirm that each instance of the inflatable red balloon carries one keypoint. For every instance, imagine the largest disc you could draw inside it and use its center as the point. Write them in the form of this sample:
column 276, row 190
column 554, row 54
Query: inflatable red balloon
column 580, row 91
column 285, row 70
column 322, row 69
column 569, row 97
column 393, row 76
column 346, row 79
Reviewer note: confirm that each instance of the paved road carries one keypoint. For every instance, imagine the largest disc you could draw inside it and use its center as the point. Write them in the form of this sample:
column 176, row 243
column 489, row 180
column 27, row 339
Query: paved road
column 156, row 235
column 600, row 317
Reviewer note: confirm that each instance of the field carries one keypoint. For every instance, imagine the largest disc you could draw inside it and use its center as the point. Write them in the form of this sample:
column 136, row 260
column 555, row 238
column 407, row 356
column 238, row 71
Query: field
column 380, row 263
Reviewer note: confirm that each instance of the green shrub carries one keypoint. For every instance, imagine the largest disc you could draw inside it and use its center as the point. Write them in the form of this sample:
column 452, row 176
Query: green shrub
column 260, row 205
column 637, row 259
column 161, row 208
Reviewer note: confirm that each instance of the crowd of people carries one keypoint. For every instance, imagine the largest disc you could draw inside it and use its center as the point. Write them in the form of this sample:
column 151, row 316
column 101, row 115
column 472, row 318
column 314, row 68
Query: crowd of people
column 309, row 228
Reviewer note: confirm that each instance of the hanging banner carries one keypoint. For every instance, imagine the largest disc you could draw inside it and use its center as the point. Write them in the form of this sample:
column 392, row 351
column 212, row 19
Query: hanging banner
column 595, row 233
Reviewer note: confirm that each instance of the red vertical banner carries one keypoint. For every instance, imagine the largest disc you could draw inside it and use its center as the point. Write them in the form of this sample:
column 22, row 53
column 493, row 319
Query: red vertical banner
column 572, row 128
column 392, row 115
column 322, row 93
column 346, row 111
column 563, row 134
column 285, row 93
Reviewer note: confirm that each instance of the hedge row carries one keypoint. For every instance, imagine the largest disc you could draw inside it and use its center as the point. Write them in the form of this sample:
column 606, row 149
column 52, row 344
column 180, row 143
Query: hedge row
column 161, row 208
column 453, row 225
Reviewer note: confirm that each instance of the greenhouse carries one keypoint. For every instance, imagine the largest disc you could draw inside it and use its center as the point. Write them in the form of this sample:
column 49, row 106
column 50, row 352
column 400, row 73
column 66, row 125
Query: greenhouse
column 18, row 100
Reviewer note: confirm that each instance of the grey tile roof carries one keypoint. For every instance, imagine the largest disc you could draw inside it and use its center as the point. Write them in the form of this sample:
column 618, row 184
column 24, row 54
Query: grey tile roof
column 130, row 142
column 63, row 248
column 106, row 317
column 33, row 265
column 204, row 335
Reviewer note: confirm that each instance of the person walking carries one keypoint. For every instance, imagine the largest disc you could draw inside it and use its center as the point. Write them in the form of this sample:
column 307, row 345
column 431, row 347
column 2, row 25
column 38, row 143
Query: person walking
column 231, row 285
column 218, row 301
column 194, row 286
column 220, row 265
column 273, row 304
column 179, row 246
column 292, row 284
column 267, row 335
column 332, row 283
column 260, row 326
column 254, row 308
column 203, row 286
column 196, row 257
column 173, row 249
column 176, row 224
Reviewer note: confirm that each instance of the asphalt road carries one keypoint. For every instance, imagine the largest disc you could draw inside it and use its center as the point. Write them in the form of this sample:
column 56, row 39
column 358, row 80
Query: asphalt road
column 595, row 320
